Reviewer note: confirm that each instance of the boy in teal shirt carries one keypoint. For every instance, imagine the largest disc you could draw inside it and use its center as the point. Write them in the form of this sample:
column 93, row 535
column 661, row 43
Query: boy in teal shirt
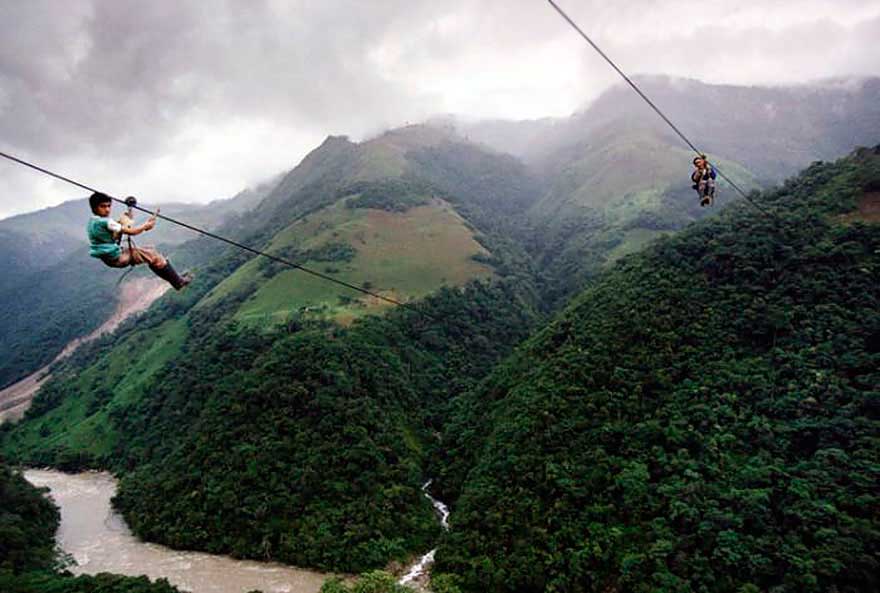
column 105, row 233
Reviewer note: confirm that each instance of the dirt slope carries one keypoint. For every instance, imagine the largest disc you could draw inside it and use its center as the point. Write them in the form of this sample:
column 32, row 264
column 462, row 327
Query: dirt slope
column 136, row 296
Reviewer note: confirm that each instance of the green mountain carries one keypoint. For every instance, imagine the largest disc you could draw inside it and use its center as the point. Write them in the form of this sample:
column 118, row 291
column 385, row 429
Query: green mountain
column 600, row 184
column 703, row 417
column 384, row 215
column 612, row 196
column 614, row 177
column 265, row 415
column 48, row 309
column 773, row 131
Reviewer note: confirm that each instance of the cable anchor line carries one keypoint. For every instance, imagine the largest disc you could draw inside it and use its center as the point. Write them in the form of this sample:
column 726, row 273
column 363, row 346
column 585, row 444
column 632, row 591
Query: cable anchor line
column 656, row 109
column 206, row 233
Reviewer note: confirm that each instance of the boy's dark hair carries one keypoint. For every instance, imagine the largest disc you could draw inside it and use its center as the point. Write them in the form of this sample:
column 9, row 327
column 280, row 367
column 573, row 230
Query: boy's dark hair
column 98, row 198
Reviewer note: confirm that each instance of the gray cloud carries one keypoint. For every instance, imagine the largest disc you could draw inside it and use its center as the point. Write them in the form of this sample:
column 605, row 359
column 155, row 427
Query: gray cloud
column 193, row 99
column 122, row 75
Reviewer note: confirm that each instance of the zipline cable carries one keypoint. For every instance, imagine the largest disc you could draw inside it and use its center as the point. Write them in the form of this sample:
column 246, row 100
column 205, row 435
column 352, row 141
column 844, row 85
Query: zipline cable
column 280, row 260
column 653, row 106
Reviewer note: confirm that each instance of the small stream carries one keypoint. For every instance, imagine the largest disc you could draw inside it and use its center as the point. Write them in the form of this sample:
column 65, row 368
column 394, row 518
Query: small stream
column 420, row 570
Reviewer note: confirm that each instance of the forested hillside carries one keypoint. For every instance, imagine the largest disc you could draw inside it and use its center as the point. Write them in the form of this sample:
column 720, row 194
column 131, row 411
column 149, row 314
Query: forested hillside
column 28, row 557
column 614, row 177
column 703, row 418
column 612, row 196
column 577, row 194
column 265, row 415
column 312, row 450
column 34, row 324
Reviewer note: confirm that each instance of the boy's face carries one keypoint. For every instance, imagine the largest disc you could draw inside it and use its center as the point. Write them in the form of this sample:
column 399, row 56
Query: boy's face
column 103, row 209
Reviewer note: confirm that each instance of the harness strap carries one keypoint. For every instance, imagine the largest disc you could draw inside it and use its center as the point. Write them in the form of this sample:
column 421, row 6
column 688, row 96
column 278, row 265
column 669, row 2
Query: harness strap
column 130, row 202
column 130, row 251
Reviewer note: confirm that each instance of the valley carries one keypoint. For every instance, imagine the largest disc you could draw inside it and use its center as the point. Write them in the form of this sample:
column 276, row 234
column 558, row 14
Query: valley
column 612, row 387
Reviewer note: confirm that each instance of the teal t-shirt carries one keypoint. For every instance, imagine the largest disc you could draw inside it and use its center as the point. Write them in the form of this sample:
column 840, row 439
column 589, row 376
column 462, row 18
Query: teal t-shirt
column 100, row 231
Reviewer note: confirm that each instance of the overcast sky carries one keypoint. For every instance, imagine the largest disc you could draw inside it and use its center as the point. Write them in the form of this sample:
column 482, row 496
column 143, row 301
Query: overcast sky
column 195, row 100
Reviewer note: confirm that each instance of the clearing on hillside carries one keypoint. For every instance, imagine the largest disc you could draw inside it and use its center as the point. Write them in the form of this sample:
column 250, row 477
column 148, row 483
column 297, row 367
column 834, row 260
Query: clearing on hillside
column 868, row 209
column 401, row 255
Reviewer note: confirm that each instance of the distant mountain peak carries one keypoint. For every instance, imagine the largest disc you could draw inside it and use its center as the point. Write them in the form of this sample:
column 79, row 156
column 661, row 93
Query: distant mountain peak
column 331, row 141
column 414, row 136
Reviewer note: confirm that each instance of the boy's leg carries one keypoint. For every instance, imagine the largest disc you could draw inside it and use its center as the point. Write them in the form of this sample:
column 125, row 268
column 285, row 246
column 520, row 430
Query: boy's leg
column 159, row 265
column 170, row 275
column 120, row 262
column 701, row 191
column 146, row 255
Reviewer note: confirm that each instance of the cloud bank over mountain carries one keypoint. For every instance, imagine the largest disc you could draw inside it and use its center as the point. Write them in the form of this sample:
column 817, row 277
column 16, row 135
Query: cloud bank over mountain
column 193, row 101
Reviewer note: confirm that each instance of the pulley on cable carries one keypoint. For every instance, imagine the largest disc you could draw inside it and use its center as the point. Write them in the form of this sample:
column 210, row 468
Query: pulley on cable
column 127, row 221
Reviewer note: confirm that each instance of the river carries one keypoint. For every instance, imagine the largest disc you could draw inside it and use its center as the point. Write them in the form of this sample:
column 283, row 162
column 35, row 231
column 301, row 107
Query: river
column 99, row 541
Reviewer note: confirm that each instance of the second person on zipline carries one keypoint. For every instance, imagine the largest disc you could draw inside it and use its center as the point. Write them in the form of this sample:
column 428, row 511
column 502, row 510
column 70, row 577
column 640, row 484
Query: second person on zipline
column 704, row 180
column 105, row 235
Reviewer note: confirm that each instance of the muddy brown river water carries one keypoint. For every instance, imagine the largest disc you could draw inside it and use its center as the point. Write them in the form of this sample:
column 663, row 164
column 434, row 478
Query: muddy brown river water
column 99, row 541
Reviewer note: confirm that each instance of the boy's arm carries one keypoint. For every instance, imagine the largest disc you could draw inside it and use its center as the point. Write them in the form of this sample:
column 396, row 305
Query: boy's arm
column 115, row 228
column 137, row 230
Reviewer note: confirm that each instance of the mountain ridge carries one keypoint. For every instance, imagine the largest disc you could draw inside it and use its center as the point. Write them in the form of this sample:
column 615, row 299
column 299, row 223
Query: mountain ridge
column 199, row 402
column 330, row 410
column 821, row 121
column 684, row 421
